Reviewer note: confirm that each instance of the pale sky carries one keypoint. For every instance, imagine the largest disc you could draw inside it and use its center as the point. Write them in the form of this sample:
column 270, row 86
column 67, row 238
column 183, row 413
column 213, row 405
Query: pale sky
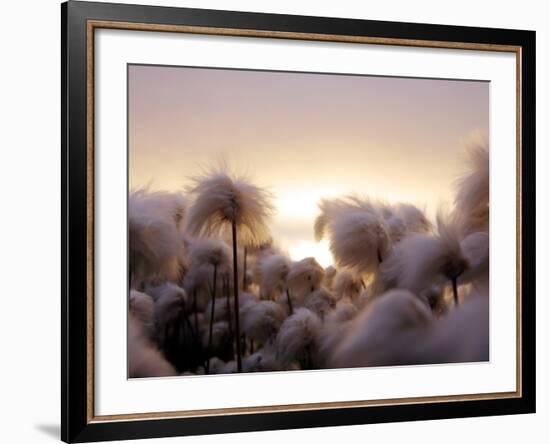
column 304, row 136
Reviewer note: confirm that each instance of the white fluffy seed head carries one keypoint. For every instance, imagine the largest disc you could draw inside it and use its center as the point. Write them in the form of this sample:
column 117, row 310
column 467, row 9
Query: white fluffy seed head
column 215, row 365
column 397, row 220
column 198, row 284
column 144, row 359
column 357, row 231
column 261, row 320
column 422, row 260
column 153, row 237
column 472, row 196
column 358, row 240
column 383, row 333
column 334, row 328
column 220, row 200
column 170, row 304
column 414, row 263
column 220, row 310
column 142, row 307
column 204, row 255
column 475, row 247
column 397, row 229
column 304, row 277
column 158, row 204
column 298, row 338
column 263, row 360
column 320, row 302
column 413, row 218
column 198, row 278
column 273, row 271
column 211, row 252
column 246, row 302
column 220, row 336
column 454, row 262
column 332, row 208
column 328, row 279
column 346, row 285
column 460, row 336
column 344, row 311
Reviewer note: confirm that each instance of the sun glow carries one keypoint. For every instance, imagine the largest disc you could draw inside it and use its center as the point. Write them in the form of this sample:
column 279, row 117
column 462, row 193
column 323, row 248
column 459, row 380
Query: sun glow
column 319, row 250
column 296, row 210
column 302, row 203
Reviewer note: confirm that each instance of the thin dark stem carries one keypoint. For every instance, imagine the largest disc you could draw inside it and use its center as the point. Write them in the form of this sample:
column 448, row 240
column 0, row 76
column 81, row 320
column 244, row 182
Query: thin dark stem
column 188, row 323
column 236, row 297
column 244, row 269
column 182, row 340
column 379, row 256
column 228, row 303
column 195, row 314
column 308, row 359
column 289, row 301
column 455, row 291
column 181, row 274
column 215, row 284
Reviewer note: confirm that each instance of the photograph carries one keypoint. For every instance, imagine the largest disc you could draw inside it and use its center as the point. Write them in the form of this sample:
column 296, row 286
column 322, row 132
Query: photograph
column 290, row 221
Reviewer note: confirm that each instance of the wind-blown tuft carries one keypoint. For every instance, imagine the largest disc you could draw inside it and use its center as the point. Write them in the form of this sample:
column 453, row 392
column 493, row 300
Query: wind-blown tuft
column 220, row 310
column 220, row 338
column 343, row 312
column 395, row 221
column 264, row 360
column 170, row 308
column 414, row 219
column 273, row 271
column 304, row 277
column 422, row 260
column 172, row 205
column 475, row 247
column 144, row 359
column 383, row 334
column 330, row 273
column 320, row 302
column 472, row 197
column 203, row 255
column 220, row 200
column 335, row 326
column 331, row 208
column 154, row 242
column 197, row 283
column 211, row 252
column 358, row 241
column 298, row 338
column 345, row 285
column 142, row 307
column 262, row 320
column 461, row 336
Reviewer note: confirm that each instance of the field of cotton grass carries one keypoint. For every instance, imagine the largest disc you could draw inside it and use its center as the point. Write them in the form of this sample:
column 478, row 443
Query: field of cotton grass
column 210, row 291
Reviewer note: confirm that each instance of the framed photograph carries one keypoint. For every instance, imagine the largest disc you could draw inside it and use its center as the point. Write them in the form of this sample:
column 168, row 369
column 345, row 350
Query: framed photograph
column 275, row 221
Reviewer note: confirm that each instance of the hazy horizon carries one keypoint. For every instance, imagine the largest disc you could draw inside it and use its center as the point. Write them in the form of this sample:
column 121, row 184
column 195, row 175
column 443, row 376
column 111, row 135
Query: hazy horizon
column 303, row 136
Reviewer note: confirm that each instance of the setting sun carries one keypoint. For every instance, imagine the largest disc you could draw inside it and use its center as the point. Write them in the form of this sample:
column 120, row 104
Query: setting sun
column 319, row 250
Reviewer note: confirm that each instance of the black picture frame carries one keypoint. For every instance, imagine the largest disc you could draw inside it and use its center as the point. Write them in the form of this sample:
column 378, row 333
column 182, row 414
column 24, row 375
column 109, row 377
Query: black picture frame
column 76, row 423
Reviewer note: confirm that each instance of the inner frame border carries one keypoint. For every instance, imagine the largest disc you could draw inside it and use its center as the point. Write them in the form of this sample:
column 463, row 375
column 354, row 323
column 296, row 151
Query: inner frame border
column 92, row 25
